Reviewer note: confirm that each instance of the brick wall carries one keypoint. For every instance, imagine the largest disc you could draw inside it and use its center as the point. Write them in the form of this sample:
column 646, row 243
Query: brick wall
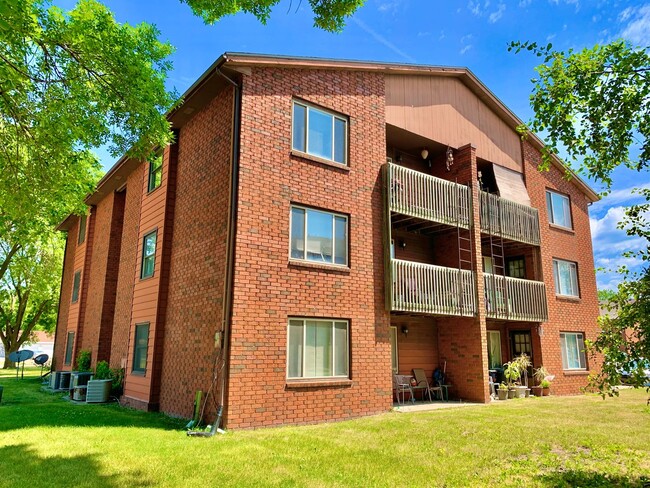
column 565, row 315
column 268, row 289
column 64, row 300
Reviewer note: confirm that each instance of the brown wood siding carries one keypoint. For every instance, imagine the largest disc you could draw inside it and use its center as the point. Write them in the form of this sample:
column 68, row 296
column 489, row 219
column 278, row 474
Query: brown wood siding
column 419, row 348
column 445, row 110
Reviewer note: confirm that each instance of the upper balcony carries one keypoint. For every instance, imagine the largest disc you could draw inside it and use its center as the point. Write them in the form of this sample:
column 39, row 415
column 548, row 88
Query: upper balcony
column 509, row 219
column 422, row 197
column 515, row 299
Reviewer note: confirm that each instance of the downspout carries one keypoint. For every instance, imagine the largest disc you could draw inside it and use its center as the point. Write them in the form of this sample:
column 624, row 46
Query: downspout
column 224, row 339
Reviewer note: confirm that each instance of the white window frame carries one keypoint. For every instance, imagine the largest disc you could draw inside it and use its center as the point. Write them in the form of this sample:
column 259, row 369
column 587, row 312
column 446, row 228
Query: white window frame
column 549, row 203
column 582, row 357
column 308, row 107
column 304, row 321
column 574, row 275
column 394, row 349
column 498, row 335
column 306, row 222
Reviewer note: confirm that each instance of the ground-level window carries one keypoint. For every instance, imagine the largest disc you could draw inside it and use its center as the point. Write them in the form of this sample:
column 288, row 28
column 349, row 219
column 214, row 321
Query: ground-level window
column 318, row 348
column 565, row 275
column 494, row 349
column 394, row 360
column 76, row 283
column 69, row 344
column 140, row 348
column 319, row 236
column 573, row 350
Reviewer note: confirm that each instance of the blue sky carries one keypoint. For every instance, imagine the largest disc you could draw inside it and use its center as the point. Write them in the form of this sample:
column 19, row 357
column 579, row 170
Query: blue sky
column 464, row 33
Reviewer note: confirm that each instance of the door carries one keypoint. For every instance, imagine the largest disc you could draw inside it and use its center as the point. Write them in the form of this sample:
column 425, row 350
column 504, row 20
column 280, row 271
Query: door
column 521, row 343
column 394, row 360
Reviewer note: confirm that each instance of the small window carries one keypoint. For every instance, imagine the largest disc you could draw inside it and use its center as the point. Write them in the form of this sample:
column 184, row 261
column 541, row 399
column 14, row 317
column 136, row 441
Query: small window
column 69, row 344
column 140, row 348
column 155, row 173
column 516, row 267
column 148, row 254
column 565, row 275
column 573, row 350
column 82, row 229
column 319, row 132
column 319, row 236
column 494, row 349
column 559, row 209
column 75, row 286
column 317, row 349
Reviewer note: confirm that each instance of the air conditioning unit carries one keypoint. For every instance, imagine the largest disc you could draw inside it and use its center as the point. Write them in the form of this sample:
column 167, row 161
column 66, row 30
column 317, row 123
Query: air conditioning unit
column 64, row 380
column 55, row 380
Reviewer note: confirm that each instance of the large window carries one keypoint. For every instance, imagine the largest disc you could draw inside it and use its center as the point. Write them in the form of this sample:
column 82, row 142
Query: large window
column 494, row 349
column 155, row 173
column 140, row 348
column 76, row 283
column 319, row 236
column 319, row 132
column 559, row 209
column 148, row 254
column 565, row 275
column 317, row 349
column 69, row 344
column 573, row 350
column 82, row 229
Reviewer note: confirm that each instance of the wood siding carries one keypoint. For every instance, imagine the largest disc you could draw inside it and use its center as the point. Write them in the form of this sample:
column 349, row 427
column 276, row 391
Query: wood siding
column 446, row 111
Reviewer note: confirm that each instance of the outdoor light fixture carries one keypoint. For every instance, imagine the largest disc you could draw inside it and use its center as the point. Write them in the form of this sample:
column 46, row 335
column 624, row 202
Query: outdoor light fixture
column 402, row 244
column 405, row 330
column 424, row 153
column 450, row 158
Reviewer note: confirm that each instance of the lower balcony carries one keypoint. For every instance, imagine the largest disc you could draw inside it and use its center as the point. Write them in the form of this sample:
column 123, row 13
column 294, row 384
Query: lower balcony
column 429, row 289
column 515, row 299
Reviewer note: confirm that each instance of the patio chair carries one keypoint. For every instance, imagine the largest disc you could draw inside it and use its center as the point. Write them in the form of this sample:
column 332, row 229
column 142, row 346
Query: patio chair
column 402, row 385
column 423, row 384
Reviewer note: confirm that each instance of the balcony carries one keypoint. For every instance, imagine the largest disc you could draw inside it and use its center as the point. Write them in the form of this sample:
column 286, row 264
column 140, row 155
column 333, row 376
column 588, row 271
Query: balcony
column 429, row 289
column 509, row 219
column 515, row 299
column 426, row 197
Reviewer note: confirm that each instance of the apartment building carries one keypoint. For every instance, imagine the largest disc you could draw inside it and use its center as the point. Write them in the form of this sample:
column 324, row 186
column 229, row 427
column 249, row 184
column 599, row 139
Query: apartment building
column 319, row 225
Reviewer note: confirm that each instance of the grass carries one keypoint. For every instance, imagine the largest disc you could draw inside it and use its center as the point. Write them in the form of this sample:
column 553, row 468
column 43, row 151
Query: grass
column 553, row 441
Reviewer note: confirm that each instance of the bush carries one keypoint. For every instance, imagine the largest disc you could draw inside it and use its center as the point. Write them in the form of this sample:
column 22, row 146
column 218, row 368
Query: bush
column 102, row 371
column 83, row 360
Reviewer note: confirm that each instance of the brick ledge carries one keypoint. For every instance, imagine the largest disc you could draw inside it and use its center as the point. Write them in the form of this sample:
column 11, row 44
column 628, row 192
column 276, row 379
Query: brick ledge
column 316, row 159
column 299, row 384
column 337, row 268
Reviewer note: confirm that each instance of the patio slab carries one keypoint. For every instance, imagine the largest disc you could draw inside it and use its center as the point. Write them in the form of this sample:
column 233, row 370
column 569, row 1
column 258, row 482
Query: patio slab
column 425, row 407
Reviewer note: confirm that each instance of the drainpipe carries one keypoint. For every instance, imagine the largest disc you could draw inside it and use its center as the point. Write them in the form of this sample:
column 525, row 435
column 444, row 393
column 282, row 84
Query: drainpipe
column 224, row 339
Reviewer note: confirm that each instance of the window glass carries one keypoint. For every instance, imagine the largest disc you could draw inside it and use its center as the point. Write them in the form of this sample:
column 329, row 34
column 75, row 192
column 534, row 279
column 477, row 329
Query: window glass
column 140, row 348
column 155, row 173
column 339, row 140
column 319, row 132
column 76, row 283
column 559, row 209
column 566, row 277
column 299, row 124
column 317, row 348
column 494, row 349
column 319, row 140
column 69, row 344
column 517, row 268
column 319, row 236
column 148, row 254
column 573, row 350
column 82, row 229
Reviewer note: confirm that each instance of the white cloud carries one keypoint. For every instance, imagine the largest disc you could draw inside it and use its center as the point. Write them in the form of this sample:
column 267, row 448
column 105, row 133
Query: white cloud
column 525, row 3
column 607, row 224
column 497, row 14
column 637, row 30
column 618, row 197
column 464, row 49
column 382, row 40
column 476, row 8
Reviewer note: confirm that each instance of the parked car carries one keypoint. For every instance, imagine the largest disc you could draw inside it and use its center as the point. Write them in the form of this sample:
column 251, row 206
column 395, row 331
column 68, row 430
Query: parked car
column 645, row 365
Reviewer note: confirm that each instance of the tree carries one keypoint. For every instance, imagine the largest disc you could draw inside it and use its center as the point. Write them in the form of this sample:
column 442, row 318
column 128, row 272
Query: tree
column 29, row 289
column 594, row 105
column 329, row 15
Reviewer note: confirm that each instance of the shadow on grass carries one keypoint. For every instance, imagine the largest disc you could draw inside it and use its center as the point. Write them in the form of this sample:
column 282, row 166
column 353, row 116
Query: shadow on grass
column 571, row 478
column 25, row 405
column 30, row 468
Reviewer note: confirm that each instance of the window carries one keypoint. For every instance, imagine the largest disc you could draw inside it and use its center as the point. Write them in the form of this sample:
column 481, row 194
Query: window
column 82, row 229
column 516, row 267
column 75, row 286
column 319, row 236
column 69, row 343
column 521, row 343
column 566, row 278
column 140, row 348
column 317, row 349
column 148, row 254
column 155, row 173
column 573, row 350
column 559, row 209
column 319, row 132
column 394, row 359
column 494, row 349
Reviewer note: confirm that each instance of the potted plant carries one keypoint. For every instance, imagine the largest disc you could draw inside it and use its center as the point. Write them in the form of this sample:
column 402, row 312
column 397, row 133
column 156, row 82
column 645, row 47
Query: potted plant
column 543, row 379
column 99, row 387
column 502, row 391
column 546, row 387
column 523, row 362
column 512, row 374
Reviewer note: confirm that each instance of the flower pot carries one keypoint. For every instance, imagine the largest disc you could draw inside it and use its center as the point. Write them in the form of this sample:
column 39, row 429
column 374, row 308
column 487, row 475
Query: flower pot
column 520, row 391
column 546, row 391
column 537, row 391
column 511, row 393
column 527, row 392
column 503, row 394
column 98, row 391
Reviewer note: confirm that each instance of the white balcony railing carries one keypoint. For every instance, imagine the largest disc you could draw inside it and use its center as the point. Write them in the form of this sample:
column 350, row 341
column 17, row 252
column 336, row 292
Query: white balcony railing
column 423, row 196
column 430, row 289
column 515, row 299
column 510, row 219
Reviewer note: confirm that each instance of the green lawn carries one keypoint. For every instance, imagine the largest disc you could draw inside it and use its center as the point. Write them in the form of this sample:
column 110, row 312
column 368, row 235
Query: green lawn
column 577, row 441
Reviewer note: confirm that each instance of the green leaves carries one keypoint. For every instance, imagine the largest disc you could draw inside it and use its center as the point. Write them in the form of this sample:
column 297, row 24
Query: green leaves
column 329, row 15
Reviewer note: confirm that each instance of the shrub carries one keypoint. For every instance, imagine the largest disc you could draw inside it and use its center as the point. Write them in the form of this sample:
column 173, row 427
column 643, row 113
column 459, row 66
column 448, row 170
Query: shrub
column 102, row 371
column 83, row 360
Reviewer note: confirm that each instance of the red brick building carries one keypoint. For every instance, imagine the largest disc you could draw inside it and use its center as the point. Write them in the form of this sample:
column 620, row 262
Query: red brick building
column 318, row 225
